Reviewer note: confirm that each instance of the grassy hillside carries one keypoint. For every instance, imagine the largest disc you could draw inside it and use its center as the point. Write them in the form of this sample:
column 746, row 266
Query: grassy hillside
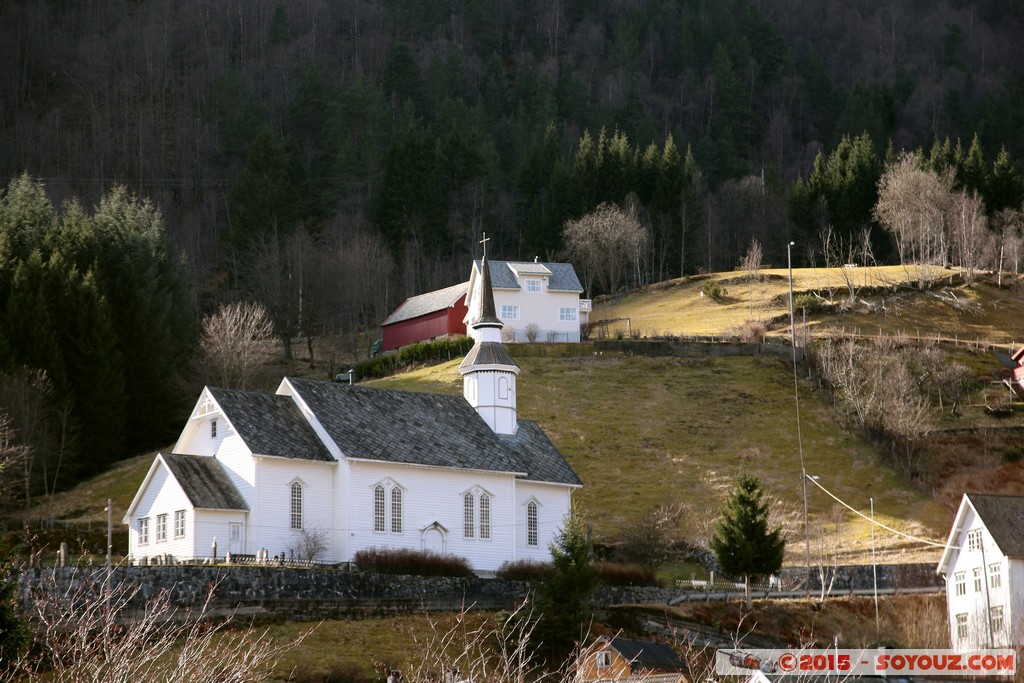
column 646, row 431
column 886, row 299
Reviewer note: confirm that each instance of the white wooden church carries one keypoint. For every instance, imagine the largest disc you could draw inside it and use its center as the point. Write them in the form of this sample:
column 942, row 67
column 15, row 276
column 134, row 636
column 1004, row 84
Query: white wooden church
column 331, row 469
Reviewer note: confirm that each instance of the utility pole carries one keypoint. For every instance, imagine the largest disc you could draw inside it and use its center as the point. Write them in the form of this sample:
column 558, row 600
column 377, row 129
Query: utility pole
column 799, row 435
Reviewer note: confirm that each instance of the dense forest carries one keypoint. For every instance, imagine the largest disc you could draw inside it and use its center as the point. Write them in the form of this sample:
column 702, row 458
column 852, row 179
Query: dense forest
column 328, row 159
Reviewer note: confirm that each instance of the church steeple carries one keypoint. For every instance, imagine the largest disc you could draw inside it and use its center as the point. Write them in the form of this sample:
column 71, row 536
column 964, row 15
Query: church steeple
column 488, row 372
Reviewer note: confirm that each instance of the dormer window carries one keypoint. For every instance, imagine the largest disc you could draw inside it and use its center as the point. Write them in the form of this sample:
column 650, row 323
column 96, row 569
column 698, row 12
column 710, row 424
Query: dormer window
column 533, row 286
column 213, row 429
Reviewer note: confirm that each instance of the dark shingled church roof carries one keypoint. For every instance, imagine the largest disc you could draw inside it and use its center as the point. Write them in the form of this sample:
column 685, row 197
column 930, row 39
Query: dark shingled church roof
column 488, row 316
column 204, row 481
column 487, row 353
column 271, row 425
column 1004, row 518
column 428, row 429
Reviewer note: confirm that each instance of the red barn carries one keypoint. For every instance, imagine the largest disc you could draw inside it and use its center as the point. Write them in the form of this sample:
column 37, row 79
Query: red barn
column 435, row 314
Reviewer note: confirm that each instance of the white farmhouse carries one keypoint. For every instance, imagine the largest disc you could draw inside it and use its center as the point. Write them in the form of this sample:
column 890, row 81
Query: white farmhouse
column 323, row 470
column 984, row 568
column 539, row 300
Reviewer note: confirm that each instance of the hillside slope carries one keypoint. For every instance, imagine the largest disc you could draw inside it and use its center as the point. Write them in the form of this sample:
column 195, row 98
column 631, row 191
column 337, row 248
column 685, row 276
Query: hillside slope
column 642, row 432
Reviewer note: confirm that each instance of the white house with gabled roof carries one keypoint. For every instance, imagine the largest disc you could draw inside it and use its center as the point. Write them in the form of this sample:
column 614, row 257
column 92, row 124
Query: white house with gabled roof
column 984, row 568
column 533, row 298
column 320, row 470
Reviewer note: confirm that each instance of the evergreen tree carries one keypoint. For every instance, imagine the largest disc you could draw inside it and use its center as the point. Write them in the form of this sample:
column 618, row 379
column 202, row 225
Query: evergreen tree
column 264, row 200
column 142, row 287
column 562, row 599
column 1005, row 188
column 742, row 541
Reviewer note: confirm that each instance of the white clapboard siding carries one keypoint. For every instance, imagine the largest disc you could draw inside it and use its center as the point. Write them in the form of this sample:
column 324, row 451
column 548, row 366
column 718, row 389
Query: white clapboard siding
column 162, row 496
column 553, row 505
column 436, row 496
column 274, row 477
column 214, row 525
column 540, row 308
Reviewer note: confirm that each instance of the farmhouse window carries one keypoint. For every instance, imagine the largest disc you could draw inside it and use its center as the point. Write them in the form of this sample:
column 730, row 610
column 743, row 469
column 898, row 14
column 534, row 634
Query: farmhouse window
column 179, row 524
column 604, row 659
column 996, row 617
column 566, row 314
column 974, row 539
column 161, row 528
column 144, row 531
column 378, row 509
column 467, row 516
column 296, row 505
column 995, row 577
column 977, row 579
column 509, row 312
column 960, row 583
column 485, row 517
column 531, row 524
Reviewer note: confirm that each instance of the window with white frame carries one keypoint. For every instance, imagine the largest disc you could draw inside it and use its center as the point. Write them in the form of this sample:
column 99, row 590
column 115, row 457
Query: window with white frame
column 388, row 508
column 296, row 505
column 476, row 514
column 995, row 575
column 213, row 429
column 179, row 524
column 996, row 617
column 976, row 572
column 161, row 528
column 485, row 517
column 396, row 510
column 604, row 659
column 974, row 539
column 468, row 523
column 532, row 286
column 509, row 312
column 144, row 531
column 566, row 314
column 961, row 625
column 531, row 523
column 960, row 583
column 379, row 522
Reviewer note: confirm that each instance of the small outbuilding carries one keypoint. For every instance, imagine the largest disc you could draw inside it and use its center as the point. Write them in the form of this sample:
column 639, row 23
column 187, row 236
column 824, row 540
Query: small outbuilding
column 623, row 660
column 440, row 313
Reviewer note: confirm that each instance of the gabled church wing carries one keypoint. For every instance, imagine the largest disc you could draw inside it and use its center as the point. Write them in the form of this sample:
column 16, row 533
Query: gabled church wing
column 202, row 479
column 270, row 425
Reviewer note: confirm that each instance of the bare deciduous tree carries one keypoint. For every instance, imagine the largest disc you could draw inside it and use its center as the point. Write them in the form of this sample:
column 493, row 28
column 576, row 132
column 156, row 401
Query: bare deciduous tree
column 913, row 205
column 98, row 630
column 234, row 341
column 650, row 541
column 969, row 232
column 310, row 544
column 607, row 243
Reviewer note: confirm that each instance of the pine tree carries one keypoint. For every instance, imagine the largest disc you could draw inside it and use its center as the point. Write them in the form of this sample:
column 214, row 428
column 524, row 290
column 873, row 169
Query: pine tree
column 562, row 601
column 742, row 541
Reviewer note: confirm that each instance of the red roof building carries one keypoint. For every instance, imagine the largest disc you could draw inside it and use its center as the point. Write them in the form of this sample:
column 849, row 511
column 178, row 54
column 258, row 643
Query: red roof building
column 440, row 313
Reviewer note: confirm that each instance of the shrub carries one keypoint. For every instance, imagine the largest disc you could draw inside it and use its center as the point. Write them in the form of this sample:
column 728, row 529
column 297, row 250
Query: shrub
column 411, row 563
column 433, row 351
column 752, row 331
column 524, row 570
column 809, row 303
column 532, row 330
column 1013, row 454
column 614, row 574
column 712, row 290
